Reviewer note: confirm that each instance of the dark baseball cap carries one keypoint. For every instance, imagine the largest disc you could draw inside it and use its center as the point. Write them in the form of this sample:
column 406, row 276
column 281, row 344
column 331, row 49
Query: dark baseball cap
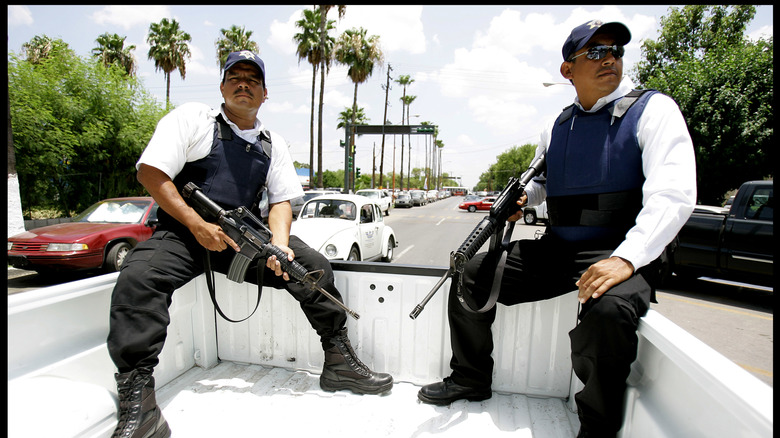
column 247, row 57
column 581, row 34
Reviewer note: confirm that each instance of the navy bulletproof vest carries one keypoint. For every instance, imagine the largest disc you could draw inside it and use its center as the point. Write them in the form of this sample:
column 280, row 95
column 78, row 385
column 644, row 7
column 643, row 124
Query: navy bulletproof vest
column 234, row 173
column 594, row 171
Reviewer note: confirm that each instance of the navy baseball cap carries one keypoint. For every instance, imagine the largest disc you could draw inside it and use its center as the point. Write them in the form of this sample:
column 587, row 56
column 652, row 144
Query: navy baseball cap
column 247, row 57
column 580, row 35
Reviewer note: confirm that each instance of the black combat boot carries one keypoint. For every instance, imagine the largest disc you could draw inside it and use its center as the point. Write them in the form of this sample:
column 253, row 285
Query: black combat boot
column 343, row 370
column 139, row 415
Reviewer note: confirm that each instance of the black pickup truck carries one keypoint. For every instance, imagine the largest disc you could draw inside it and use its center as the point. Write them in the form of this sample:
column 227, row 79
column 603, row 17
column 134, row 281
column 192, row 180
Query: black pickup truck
column 733, row 243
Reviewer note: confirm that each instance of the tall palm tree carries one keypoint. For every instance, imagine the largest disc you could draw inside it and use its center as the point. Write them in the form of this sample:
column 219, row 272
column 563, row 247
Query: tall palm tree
column 169, row 50
column 407, row 102
column 404, row 81
column 39, row 48
column 310, row 49
column 361, row 54
column 327, row 44
column 111, row 50
column 347, row 117
column 234, row 39
column 439, row 146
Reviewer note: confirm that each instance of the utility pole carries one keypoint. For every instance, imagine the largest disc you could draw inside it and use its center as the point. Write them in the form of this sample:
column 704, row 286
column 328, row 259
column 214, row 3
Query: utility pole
column 384, row 122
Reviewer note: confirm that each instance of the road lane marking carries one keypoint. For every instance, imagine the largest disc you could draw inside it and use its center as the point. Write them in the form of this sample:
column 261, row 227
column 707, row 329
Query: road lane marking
column 404, row 252
column 711, row 306
column 442, row 220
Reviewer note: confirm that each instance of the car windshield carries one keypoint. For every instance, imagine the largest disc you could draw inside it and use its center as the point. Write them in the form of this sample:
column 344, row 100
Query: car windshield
column 470, row 198
column 114, row 211
column 329, row 208
column 372, row 195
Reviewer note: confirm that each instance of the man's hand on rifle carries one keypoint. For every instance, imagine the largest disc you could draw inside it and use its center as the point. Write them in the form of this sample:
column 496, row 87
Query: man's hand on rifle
column 273, row 264
column 521, row 202
column 212, row 237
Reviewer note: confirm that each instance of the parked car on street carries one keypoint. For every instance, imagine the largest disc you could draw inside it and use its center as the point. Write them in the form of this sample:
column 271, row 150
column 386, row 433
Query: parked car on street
column 99, row 237
column 379, row 196
column 418, row 197
column 404, row 200
column 297, row 203
column 345, row 227
column 432, row 195
column 483, row 203
column 536, row 213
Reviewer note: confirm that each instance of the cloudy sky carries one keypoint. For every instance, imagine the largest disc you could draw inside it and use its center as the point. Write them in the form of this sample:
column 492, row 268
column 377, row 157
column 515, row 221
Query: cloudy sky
column 477, row 70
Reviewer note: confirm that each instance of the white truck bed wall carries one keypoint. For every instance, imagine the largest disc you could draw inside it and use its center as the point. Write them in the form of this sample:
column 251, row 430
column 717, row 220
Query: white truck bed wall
column 61, row 378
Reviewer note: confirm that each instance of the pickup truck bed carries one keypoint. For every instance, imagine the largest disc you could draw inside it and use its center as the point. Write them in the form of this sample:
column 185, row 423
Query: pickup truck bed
column 261, row 377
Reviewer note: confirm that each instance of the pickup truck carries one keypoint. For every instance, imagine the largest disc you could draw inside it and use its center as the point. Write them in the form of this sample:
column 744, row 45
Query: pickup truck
column 536, row 213
column 734, row 243
column 260, row 377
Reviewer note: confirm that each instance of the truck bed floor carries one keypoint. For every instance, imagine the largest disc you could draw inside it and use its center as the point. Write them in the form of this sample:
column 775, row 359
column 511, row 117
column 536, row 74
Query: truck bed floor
column 247, row 400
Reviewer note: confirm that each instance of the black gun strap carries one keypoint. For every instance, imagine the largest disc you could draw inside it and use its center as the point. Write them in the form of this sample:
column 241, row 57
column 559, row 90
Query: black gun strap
column 212, row 292
column 495, row 289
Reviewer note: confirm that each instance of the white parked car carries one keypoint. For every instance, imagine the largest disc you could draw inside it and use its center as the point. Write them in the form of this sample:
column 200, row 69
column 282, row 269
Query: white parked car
column 381, row 197
column 345, row 227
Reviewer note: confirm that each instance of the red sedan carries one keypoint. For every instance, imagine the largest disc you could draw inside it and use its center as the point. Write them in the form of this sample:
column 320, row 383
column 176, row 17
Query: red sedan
column 480, row 204
column 100, row 237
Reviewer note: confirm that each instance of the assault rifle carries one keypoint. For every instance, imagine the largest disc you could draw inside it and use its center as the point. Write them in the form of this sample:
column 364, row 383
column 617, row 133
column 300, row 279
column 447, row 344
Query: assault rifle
column 254, row 238
column 491, row 226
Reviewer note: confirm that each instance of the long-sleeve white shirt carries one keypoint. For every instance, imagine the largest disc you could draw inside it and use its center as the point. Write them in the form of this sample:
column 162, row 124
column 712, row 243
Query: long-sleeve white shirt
column 669, row 167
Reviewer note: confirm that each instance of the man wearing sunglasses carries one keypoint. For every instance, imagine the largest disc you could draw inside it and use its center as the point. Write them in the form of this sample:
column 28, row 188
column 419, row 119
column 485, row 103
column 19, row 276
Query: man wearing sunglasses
column 620, row 181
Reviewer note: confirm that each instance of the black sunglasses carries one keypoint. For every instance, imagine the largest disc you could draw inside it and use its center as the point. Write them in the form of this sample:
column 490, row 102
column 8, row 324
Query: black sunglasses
column 599, row 52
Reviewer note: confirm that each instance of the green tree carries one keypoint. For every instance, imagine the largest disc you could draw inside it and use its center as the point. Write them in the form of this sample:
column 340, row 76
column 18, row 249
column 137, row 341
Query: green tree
column 79, row 128
column 169, row 49
column 361, row 54
column 40, row 46
column 512, row 163
column 723, row 83
column 309, row 47
column 404, row 81
column 231, row 40
column 111, row 50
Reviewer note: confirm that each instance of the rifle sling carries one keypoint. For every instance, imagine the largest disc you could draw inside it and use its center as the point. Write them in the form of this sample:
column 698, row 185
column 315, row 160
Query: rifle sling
column 210, row 282
column 495, row 289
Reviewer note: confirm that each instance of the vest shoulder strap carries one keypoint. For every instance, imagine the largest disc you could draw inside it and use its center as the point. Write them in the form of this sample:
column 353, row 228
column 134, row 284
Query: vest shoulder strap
column 621, row 107
column 224, row 133
column 265, row 141
column 566, row 114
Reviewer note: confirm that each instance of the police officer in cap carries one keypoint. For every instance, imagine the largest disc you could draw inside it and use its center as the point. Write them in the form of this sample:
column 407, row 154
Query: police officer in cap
column 620, row 183
column 230, row 155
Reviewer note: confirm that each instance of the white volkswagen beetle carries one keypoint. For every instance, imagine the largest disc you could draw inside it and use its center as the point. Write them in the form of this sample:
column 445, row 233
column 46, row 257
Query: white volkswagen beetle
column 345, row 227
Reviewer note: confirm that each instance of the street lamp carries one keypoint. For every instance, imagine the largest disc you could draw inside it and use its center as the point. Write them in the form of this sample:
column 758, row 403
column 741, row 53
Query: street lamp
column 550, row 84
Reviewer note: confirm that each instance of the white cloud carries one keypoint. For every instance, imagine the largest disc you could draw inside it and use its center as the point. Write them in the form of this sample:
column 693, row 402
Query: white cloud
column 127, row 16
column 399, row 28
column 764, row 32
column 19, row 16
column 281, row 38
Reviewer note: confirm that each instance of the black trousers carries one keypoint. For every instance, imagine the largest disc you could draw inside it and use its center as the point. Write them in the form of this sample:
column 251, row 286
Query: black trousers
column 155, row 268
column 604, row 343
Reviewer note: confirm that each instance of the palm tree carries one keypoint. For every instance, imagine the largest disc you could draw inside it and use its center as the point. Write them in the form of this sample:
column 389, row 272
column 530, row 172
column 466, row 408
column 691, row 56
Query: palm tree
column 439, row 146
column 39, row 48
column 234, row 39
column 346, row 118
column 111, row 50
column 327, row 44
column 361, row 54
column 403, row 80
column 309, row 48
column 169, row 50
column 407, row 102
